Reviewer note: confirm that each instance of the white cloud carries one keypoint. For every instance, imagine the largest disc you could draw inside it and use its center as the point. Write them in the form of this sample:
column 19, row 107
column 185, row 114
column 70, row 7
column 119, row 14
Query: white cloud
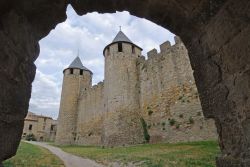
column 90, row 34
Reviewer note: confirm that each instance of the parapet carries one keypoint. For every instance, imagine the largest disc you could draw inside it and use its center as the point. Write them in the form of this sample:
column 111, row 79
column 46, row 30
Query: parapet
column 165, row 46
column 152, row 53
column 178, row 40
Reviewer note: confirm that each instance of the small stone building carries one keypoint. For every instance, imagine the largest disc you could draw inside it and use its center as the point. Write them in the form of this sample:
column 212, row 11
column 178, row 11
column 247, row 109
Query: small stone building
column 43, row 128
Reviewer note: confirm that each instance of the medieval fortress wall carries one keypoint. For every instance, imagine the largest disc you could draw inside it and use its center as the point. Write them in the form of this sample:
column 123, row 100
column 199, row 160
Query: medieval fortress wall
column 168, row 96
column 160, row 90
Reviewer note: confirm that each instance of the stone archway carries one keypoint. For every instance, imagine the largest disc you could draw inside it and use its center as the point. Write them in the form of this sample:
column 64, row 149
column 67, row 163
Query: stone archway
column 216, row 34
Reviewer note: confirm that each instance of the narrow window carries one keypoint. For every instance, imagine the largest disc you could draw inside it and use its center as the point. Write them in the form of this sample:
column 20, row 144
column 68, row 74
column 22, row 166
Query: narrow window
column 30, row 127
column 133, row 49
column 81, row 72
column 52, row 127
column 71, row 71
column 119, row 47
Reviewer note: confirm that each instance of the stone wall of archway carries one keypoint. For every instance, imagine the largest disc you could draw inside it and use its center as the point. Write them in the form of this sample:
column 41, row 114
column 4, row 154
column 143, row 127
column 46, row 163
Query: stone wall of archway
column 216, row 34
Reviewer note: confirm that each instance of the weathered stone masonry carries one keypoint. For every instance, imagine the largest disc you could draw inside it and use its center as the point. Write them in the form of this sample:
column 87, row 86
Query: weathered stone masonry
column 159, row 89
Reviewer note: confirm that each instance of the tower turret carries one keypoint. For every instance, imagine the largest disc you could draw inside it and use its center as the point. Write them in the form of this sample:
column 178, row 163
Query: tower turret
column 121, row 89
column 76, row 78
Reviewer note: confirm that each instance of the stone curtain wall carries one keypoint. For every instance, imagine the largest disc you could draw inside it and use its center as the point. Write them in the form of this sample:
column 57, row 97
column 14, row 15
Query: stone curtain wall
column 168, row 96
column 90, row 115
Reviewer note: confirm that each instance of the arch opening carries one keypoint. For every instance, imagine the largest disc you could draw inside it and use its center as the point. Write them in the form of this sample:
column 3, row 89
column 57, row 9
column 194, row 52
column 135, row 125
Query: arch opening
column 163, row 72
column 218, row 57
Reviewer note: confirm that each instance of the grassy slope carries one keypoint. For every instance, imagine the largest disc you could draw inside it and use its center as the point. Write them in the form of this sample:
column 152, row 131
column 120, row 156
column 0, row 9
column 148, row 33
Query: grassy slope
column 193, row 154
column 29, row 155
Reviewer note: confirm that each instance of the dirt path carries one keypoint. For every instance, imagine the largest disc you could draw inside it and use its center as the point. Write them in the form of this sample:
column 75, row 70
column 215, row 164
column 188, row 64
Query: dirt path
column 68, row 159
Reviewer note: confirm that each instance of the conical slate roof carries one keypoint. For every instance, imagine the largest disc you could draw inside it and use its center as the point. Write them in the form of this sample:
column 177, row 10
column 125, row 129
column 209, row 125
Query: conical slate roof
column 121, row 37
column 77, row 63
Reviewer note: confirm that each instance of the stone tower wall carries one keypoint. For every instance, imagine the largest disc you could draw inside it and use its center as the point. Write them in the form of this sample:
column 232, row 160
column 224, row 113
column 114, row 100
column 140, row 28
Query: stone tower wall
column 72, row 84
column 121, row 89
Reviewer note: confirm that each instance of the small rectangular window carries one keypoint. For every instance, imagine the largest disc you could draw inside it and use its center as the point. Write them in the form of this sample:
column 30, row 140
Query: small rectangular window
column 52, row 127
column 119, row 47
column 30, row 127
column 71, row 71
column 81, row 72
column 133, row 49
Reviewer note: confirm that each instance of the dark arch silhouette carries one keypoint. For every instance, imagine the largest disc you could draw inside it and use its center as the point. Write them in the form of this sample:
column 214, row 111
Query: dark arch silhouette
column 215, row 32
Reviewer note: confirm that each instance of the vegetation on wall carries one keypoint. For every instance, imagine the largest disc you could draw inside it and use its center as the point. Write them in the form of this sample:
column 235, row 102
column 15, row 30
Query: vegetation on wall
column 150, row 112
column 172, row 122
column 145, row 130
column 191, row 120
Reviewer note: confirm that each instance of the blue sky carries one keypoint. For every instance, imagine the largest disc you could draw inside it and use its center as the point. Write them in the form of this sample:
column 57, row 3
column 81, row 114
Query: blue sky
column 90, row 34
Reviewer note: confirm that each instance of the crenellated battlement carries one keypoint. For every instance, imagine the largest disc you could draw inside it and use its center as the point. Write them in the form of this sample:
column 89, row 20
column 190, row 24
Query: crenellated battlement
column 166, row 48
column 178, row 40
column 152, row 53
column 98, row 85
column 91, row 90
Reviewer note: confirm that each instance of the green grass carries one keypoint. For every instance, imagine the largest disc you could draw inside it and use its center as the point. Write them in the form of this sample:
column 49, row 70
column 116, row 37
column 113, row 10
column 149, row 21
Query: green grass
column 29, row 155
column 192, row 154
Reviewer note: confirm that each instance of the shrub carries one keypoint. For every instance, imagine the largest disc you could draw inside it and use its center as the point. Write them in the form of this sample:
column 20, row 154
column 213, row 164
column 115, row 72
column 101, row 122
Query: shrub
column 191, row 120
column 145, row 130
column 30, row 137
column 163, row 129
column 163, row 123
column 171, row 122
column 177, row 126
column 150, row 112
column 181, row 115
column 199, row 113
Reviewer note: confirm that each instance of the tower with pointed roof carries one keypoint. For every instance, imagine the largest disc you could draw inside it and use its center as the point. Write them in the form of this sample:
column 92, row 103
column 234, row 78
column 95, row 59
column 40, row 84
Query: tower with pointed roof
column 121, row 89
column 76, row 79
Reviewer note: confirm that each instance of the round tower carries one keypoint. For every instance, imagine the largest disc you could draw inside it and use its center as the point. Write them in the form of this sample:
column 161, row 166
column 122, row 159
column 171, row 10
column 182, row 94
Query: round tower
column 76, row 78
column 121, row 90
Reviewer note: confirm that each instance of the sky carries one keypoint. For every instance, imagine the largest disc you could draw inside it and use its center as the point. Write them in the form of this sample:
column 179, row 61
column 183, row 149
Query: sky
column 89, row 34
